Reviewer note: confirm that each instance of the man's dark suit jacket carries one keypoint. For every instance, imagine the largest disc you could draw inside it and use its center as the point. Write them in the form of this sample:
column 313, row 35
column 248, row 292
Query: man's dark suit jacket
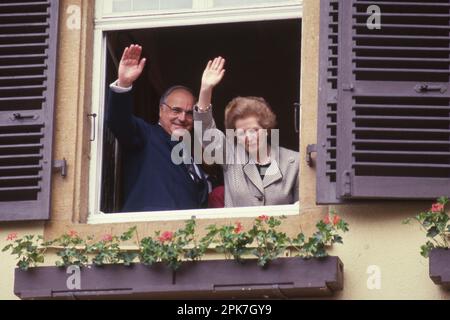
column 152, row 182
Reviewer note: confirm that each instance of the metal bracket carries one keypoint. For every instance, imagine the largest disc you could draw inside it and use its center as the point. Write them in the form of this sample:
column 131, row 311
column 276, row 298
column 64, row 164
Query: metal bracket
column 348, row 87
column 60, row 166
column 309, row 150
column 347, row 177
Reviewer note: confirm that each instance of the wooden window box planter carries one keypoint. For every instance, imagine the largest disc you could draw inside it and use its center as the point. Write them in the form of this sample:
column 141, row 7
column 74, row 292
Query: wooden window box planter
column 440, row 267
column 213, row 279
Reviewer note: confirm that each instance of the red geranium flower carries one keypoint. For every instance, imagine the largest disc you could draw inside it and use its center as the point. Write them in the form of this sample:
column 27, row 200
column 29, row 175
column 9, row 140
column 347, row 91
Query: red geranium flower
column 238, row 228
column 166, row 236
column 107, row 238
column 437, row 207
column 72, row 234
column 336, row 219
column 11, row 236
column 263, row 218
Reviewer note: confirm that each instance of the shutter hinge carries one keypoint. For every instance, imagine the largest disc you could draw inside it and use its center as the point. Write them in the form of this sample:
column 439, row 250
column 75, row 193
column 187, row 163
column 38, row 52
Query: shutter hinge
column 60, row 166
column 309, row 150
column 347, row 184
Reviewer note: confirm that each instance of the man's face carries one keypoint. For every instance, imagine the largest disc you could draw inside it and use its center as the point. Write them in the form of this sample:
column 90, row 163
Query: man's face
column 175, row 116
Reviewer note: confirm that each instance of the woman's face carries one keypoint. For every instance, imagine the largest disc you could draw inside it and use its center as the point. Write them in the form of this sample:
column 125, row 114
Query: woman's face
column 250, row 134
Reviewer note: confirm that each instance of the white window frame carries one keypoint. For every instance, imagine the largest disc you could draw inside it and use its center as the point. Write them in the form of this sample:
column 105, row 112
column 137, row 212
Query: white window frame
column 140, row 20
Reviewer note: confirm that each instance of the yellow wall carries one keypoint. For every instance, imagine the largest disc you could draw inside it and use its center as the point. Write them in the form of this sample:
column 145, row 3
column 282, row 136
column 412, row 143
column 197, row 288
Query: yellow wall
column 377, row 236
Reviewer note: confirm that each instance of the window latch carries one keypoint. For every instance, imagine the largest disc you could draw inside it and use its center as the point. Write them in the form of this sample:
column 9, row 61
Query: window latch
column 18, row 116
column 93, row 116
column 309, row 150
column 297, row 107
column 60, row 166
column 423, row 88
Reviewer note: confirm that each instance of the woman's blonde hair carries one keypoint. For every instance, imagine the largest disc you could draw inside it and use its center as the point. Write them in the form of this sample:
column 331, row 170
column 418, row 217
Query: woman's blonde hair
column 243, row 107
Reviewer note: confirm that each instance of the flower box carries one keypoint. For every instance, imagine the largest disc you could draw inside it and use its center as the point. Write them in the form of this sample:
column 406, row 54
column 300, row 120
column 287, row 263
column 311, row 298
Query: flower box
column 440, row 267
column 212, row 279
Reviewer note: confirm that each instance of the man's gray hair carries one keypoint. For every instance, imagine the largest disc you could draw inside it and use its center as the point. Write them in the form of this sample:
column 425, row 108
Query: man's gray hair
column 167, row 93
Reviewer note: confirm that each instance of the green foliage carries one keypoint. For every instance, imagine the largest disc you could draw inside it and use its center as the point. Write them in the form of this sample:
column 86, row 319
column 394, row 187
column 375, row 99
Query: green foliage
column 435, row 223
column 270, row 243
column 263, row 240
column 29, row 250
column 71, row 249
column 108, row 250
column 327, row 234
column 171, row 248
column 230, row 240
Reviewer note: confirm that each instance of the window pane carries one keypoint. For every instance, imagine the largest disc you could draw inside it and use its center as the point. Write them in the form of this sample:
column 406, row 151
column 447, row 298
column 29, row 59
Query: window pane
column 175, row 4
column 121, row 5
column 143, row 5
column 241, row 3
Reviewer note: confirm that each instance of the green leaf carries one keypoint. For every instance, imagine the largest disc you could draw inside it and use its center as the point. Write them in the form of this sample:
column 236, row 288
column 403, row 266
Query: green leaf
column 9, row 246
column 406, row 221
column 432, row 232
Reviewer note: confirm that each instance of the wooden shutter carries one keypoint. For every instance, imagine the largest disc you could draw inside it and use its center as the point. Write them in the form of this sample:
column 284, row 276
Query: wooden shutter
column 28, row 43
column 394, row 123
column 328, row 103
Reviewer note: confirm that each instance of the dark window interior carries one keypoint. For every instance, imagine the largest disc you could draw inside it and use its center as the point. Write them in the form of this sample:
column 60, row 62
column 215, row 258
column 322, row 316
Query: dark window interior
column 263, row 59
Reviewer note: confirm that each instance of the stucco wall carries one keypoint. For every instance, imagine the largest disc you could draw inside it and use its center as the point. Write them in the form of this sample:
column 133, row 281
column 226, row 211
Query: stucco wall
column 377, row 237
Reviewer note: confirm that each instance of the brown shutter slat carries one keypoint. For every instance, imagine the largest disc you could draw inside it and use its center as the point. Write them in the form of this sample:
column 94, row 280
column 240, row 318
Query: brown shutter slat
column 28, row 43
column 21, row 181
column 394, row 128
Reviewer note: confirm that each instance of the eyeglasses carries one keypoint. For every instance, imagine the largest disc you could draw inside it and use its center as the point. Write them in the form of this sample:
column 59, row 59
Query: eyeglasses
column 177, row 111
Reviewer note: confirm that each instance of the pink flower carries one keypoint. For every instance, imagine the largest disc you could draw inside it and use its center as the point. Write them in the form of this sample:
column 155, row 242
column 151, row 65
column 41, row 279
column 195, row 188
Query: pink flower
column 326, row 220
column 238, row 227
column 72, row 234
column 166, row 236
column 336, row 219
column 107, row 238
column 437, row 207
column 11, row 236
column 263, row 218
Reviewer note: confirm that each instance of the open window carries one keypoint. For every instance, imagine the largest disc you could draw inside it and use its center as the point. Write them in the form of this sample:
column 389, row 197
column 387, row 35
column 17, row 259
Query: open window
column 262, row 48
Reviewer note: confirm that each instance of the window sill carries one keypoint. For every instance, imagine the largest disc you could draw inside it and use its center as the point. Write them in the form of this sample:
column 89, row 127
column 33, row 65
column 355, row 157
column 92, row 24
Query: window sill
column 439, row 261
column 284, row 278
column 221, row 213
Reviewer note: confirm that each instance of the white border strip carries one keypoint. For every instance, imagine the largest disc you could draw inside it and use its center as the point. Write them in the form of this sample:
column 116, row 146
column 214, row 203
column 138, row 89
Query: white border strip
column 221, row 213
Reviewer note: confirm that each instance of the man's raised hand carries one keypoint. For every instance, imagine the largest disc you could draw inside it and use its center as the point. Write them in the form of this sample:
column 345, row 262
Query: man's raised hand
column 131, row 65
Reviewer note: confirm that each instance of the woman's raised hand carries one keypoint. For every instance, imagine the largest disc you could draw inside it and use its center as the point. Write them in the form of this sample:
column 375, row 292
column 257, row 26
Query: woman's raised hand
column 213, row 73
column 131, row 65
